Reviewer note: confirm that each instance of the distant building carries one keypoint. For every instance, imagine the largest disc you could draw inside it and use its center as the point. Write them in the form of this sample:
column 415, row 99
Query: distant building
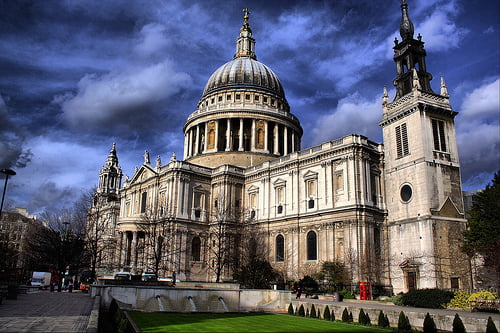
column 13, row 232
column 392, row 213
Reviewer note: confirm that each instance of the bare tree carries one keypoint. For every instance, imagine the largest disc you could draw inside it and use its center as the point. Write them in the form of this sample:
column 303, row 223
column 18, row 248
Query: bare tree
column 223, row 234
column 160, row 235
column 100, row 229
column 250, row 265
column 57, row 244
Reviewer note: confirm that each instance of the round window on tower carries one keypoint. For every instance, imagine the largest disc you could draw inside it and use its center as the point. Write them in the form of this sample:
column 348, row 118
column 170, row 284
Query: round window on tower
column 406, row 193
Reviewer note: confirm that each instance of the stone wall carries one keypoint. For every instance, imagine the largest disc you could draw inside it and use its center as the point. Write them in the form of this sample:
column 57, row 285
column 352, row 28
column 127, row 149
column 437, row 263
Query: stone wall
column 192, row 299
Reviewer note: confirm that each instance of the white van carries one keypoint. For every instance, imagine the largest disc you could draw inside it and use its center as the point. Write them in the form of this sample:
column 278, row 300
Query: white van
column 41, row 279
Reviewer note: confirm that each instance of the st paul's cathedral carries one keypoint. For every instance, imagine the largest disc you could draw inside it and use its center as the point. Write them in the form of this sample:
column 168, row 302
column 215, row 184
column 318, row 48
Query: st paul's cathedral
column 392, row 213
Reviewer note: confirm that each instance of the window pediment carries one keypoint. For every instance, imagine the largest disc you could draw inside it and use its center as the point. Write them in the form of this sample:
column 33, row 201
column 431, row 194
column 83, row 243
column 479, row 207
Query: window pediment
column 309, row 175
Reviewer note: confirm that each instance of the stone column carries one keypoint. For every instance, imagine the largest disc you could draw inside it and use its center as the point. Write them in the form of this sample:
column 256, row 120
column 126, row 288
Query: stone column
column 266, row 128
column 133, row 263
column 285, row 143
column 276, row 145
column 216, row 135
column 206, row 138
column 293, row 142
column 252, row 140
column 228, row 135
column 240, row 141
column 190, row 142
column 186, row 139
column 197, row 142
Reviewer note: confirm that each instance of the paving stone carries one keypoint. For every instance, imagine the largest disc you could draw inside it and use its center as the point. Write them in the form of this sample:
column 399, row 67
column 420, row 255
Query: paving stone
column 46, row 311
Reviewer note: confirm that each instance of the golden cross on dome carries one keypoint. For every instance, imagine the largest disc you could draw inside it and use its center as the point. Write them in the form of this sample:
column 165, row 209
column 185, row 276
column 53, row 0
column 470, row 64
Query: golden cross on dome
column 246, row 11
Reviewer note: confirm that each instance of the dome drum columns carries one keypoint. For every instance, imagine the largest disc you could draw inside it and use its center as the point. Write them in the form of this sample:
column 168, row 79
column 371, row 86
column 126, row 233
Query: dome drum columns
column 240, row 135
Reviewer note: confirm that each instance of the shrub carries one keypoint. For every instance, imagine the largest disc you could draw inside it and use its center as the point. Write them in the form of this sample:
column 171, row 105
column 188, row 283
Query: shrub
column 301, row 311
column 362, row 317
column 381, row 319
column 387, row 323
column 350, row 317
column 345, row 315
column 290, row 309
column 397, row 299
column 346, row 294
column 368, row 320
column 490, row 327
column 313, row 311
column 429, row 324
column 333, row 316
column 458, row 326
column 481, row 294
column 460, row 300
column 326, row 313
column 427, row 298
column 403, row 322
column 307, row 312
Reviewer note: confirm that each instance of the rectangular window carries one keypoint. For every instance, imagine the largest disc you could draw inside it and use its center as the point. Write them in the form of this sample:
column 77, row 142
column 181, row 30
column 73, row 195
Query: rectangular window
column 228, row 97
column 454, row 283
column 219, row 98
column 439, row 135
column 402, row 141
column 238, row 96
column 143, row 202
column 247, row 97
column 265, row 99
column 256, row 98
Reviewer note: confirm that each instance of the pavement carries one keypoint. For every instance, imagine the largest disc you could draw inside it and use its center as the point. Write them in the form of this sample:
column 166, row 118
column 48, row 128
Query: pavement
column 45, row 311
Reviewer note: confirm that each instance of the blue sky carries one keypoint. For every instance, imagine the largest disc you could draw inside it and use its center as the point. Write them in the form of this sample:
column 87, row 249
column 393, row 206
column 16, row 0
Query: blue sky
column 76, row 76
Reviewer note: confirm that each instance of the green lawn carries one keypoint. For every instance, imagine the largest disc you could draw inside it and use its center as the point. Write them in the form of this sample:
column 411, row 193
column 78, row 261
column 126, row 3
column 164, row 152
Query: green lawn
column 237, row 322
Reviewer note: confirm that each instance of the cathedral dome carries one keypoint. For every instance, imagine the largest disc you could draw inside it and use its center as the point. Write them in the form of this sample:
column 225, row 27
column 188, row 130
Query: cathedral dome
column 244, row 72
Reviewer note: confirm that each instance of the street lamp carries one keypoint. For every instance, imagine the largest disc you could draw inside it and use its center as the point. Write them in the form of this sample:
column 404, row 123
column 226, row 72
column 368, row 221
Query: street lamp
column 7, row 172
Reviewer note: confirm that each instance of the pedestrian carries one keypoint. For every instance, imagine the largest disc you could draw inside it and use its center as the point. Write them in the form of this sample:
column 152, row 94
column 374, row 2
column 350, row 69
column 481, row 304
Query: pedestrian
column 299, row 293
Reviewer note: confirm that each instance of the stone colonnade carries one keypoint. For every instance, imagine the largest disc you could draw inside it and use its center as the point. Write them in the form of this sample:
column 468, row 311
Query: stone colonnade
column 240, row 134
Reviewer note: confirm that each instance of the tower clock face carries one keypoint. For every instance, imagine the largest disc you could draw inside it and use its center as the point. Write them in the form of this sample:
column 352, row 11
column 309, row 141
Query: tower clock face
column 406, row 193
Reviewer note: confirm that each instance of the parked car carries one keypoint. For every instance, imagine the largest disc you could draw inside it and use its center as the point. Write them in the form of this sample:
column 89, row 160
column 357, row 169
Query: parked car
column 123, row 276
column 148, row 276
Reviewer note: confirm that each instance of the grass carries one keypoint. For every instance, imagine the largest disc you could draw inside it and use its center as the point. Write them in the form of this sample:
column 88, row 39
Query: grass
column 238, row 322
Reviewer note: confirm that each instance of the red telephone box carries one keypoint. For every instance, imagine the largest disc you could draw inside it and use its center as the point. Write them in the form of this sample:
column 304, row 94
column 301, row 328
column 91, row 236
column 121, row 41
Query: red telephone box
column 364, row 291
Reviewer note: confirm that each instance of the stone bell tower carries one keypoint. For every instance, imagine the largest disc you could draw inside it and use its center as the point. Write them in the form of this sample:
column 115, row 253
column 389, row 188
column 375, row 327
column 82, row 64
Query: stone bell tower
column 424, row 194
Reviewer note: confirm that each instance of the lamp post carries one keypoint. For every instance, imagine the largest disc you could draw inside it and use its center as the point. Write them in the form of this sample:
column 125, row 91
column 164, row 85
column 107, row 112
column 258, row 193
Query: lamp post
column 7, row 172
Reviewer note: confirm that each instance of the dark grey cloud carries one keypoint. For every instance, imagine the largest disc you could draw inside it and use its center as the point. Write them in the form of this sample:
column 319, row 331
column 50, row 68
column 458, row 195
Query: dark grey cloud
column 76, row 76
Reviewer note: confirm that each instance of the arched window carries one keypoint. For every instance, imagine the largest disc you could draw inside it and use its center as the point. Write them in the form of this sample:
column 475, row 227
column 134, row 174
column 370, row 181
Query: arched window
column 196, row 249
column 312, row 247
column 280, row 248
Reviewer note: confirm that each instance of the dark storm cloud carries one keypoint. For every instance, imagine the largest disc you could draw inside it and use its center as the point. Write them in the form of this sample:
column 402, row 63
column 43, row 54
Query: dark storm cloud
column 76, row 76
column 11, row 141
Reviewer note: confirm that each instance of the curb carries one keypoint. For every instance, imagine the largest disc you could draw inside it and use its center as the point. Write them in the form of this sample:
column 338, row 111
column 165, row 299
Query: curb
column 94, row 316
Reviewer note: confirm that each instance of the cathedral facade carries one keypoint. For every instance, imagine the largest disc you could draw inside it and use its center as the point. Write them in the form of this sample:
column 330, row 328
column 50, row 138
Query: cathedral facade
column 392, row 213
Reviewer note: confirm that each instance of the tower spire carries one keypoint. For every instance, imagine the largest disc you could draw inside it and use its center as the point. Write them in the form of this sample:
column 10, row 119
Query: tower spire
column 406, row 29
column 110, row 176
column 245, row 44
column 409, row 55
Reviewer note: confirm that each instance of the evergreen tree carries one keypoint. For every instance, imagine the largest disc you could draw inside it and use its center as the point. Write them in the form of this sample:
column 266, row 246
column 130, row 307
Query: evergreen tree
column 301, row 311
column 429, row 324
column 290, row 309
column 458, row 326
column 326, row 313
column 381, row 319
column 403, row 322
column 362, row 317
column 345, row 315
column 483, row 234
column 313, row 311
column 490, row 327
